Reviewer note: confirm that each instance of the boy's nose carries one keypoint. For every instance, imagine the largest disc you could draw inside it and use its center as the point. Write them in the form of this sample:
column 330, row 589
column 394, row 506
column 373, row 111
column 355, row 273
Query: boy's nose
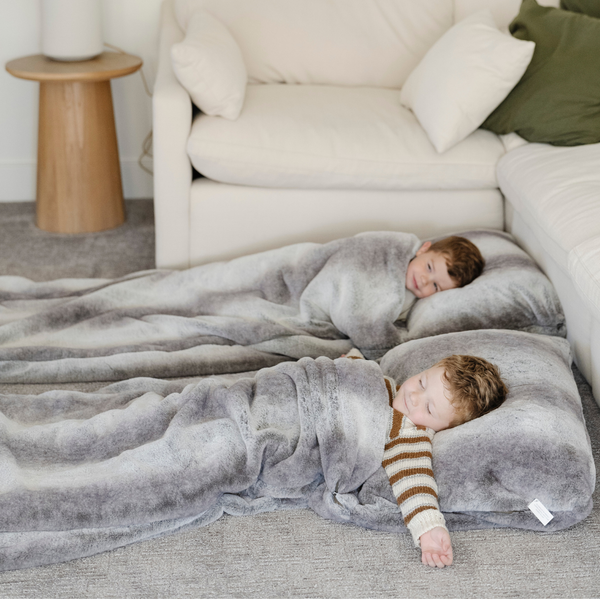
column 425, row 284
column 414, row 398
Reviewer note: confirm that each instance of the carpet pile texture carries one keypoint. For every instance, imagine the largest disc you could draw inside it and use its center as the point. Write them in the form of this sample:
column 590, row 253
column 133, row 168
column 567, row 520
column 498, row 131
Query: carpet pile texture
column 289, row 554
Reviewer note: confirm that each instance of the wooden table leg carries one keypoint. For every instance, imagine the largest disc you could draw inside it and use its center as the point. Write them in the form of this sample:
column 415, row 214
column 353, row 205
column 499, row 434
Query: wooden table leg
column 79, row 177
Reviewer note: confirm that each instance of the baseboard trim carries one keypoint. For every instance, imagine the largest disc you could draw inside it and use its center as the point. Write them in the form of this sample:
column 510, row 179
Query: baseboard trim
column 18, row 180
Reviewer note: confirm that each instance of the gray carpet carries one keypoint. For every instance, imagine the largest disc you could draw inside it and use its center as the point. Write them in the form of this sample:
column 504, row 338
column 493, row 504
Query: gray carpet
column 289, row 554
column 30, row 252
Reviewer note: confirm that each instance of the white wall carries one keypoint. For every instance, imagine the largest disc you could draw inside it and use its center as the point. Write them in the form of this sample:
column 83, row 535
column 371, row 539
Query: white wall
column 132, row 25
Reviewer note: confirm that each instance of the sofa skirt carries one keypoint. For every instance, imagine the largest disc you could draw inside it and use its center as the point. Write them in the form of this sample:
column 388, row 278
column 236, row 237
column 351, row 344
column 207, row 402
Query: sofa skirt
column 227, row 221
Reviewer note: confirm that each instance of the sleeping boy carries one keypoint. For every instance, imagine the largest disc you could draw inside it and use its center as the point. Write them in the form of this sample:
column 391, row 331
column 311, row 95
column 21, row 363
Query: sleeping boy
column 455, row 390
column 146, row 456
column 448, row 263
column 301, row 300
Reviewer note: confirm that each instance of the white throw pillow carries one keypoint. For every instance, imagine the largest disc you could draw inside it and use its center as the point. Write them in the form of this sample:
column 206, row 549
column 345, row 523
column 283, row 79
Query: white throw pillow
column 210, row 66
column 465, row 75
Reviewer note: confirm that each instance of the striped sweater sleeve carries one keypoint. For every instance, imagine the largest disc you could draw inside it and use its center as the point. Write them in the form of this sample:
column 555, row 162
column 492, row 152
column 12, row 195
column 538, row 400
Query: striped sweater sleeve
column 407, row 461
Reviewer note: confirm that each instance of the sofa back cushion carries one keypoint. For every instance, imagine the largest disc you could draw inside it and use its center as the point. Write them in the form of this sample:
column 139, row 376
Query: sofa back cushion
column 337, row 42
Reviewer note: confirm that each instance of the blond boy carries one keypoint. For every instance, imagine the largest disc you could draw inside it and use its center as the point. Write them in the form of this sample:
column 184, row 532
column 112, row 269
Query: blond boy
column 449, row 263
column 455, row 390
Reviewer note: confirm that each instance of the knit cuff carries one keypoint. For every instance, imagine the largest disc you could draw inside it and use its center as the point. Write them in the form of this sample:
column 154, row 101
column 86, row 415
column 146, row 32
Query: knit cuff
column 425, row 521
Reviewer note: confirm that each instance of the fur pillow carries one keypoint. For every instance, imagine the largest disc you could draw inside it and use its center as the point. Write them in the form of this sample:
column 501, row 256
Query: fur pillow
column 535, row 446
column 511, row 293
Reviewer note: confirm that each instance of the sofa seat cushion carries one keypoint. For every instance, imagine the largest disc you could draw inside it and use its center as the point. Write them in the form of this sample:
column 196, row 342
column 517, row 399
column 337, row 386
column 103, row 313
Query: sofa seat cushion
column 302, row 136
column 584, row 266
column 556, row 191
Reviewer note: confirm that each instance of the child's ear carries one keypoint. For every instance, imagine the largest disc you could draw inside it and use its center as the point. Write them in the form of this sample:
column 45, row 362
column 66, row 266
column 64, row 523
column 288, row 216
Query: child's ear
column 423, row 248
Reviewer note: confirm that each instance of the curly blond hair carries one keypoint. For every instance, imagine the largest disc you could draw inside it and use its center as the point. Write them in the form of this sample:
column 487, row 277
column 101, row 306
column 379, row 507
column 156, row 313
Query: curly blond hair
column 463, row 258
column 474, row 385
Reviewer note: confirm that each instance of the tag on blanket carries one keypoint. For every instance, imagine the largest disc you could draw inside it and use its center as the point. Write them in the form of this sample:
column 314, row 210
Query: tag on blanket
column 541, row 512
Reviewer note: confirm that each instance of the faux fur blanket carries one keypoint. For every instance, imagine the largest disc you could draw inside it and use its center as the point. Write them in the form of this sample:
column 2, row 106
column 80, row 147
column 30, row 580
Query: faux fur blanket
column 81, row 473
column 85, row 472
column 252, row 312
column 258, row 310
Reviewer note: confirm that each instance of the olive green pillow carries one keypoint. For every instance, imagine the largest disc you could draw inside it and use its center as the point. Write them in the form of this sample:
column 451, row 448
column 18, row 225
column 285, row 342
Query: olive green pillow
column 558, row 98
column 587, row 7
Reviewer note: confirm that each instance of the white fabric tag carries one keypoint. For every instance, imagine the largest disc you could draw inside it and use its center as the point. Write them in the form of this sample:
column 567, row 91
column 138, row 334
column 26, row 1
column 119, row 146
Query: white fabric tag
column 541, row 512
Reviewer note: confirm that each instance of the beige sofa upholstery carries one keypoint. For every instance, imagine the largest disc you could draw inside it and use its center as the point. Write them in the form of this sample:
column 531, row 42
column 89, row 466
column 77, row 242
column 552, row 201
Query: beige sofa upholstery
column 548, row 198
column 553, row 210
column 349, row 180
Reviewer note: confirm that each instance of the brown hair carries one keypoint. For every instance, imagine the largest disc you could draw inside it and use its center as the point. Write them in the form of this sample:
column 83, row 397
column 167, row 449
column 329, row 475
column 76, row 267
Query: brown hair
column 475, row 386
column 463, row 258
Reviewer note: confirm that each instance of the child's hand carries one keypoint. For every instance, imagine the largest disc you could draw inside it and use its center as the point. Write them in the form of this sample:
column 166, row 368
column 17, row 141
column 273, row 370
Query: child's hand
column 436, row 548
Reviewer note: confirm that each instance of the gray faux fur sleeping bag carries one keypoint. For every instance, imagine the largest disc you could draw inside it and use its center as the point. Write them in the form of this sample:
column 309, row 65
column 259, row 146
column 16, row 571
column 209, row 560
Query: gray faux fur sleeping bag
column 259, row 310
column 81, row 473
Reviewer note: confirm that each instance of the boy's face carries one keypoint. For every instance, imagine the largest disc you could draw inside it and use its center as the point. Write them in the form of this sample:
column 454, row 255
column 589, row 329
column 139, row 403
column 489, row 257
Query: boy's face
column 423, row 400
column 427, row 273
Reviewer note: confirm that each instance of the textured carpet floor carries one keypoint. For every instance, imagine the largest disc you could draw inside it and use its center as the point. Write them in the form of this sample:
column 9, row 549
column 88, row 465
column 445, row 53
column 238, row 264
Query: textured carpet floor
column 288, row 554
column 30, row 252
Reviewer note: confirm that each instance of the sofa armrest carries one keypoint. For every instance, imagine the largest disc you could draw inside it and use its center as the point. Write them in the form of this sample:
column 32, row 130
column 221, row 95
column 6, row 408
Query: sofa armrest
column 172, row 120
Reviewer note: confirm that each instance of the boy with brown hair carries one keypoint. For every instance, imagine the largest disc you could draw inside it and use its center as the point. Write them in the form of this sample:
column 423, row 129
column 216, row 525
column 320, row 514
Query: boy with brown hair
column 457, row 389
column 448, row 263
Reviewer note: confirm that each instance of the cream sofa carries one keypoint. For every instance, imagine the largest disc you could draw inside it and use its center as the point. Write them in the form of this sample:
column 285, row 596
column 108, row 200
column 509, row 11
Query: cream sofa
column 552, row 204
column 323, row 149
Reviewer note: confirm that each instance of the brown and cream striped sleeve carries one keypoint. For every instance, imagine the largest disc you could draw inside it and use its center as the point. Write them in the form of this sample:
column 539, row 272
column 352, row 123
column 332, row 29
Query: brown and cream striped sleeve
column 407, row 460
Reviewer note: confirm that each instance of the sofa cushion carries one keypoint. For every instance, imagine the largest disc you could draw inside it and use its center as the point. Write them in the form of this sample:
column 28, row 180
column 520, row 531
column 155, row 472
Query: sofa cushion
column 584, row 267
column 301, row 136
column 338, row 42
column 555, row 190
column 558, row 99
column 464, row 77
column 210, row 66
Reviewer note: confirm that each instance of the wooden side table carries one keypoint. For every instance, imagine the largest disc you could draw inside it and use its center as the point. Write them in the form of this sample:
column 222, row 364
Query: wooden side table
column 78, row 173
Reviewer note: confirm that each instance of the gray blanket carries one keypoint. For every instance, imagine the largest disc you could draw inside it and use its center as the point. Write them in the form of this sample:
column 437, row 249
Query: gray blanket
column 259, row 310
column 252, row 312
column 81, row 473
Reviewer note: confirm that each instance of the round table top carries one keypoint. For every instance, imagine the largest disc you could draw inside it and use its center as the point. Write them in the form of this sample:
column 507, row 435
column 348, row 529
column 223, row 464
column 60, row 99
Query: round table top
column 105, row 66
